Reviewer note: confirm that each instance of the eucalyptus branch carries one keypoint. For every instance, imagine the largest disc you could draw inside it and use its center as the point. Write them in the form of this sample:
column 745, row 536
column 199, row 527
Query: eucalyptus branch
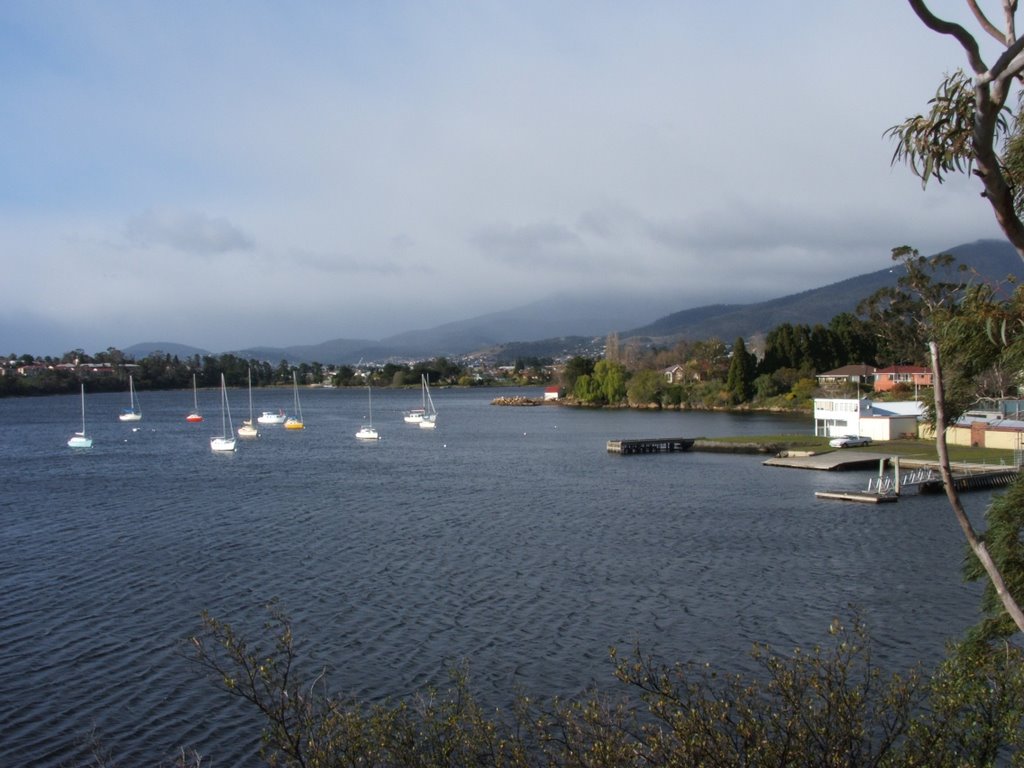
column 962, row 36
column 961, row 133
column 988, row 26
column 973, row 540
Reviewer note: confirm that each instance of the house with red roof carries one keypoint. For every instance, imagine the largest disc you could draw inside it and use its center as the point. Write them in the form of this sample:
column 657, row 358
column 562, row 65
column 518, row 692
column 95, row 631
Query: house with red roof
column 911, row 375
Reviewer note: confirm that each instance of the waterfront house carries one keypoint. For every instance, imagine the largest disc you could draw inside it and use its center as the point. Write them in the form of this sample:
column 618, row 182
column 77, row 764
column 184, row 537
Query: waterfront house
column 848, row 374
column 674, row 374
column 910, row 375
column 834, row 417
column 551, row 393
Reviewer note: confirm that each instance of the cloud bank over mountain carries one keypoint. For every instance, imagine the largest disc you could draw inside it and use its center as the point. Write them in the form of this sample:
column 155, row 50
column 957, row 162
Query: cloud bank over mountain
column 360, row 170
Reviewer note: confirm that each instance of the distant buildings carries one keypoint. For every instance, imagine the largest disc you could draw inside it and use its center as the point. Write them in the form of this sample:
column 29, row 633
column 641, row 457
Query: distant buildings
column 848, row 374
column 82, row 370
column 878, row 379
column 889, row 378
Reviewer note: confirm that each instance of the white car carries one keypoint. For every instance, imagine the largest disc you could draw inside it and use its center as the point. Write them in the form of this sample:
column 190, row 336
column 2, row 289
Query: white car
column 849, row 441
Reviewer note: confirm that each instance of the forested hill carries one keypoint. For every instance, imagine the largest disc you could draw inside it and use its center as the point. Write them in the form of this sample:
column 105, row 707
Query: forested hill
column 993, row 259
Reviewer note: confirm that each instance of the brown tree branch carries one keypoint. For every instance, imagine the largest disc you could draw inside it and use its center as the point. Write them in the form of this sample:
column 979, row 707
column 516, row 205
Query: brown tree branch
column 992, row 29
column 976, row 544
column 962, row 36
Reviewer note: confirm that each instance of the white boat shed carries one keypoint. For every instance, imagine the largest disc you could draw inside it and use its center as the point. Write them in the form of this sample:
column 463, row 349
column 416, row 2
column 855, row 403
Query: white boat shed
column 834, row 417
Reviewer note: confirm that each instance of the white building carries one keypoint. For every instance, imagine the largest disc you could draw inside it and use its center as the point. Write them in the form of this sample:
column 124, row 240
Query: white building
column 834, row 417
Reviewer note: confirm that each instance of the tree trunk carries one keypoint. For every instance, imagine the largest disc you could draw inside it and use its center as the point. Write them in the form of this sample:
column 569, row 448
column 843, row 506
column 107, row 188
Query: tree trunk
column 976, row 544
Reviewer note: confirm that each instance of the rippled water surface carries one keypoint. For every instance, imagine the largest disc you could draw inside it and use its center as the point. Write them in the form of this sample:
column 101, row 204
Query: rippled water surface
column 507, row 538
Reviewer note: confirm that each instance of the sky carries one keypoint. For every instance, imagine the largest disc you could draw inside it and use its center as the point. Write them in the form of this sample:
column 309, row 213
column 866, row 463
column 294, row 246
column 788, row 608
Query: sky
column 234, row 173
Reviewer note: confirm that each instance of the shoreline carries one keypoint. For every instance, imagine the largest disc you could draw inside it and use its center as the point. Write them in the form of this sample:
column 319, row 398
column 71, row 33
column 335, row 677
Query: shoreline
column 524, row 401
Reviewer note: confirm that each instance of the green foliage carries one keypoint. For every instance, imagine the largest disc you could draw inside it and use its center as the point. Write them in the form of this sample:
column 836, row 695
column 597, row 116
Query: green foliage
column 305, row 725
column 1004, row 540
column 828, row 706
column 674, row 395
column 646, row 387
column 846, row 340
column 975, row 710
column 575, row 368
column 904, row 317
column 586, row 390
column 982, row 347
column 740, row 381
column 610, row 379
column 825, row 707
column 940, row 143
column 804, row 389
column 765, row 387
column 853, row 340
column 606, row 385
column 787, row 346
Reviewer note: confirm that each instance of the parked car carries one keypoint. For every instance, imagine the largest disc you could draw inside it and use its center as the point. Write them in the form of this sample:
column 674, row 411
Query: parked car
column 849, row 441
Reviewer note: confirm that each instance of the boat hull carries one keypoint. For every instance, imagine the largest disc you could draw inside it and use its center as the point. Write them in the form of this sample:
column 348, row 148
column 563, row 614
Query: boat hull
column 269, row 417
column 222, row 444
column 78, row 440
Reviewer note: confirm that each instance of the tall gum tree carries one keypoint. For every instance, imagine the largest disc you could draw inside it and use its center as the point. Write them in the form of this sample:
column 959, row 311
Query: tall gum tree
column 971, row 129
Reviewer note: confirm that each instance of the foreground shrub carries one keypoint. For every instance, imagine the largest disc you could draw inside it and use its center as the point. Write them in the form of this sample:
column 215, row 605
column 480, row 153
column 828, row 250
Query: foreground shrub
column 830, row 706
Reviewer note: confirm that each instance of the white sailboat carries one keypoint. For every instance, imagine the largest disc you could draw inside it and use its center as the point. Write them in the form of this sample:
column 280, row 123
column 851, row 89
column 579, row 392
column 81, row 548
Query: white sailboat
column 194, row 415
column 132, row 412
column 79, row 439
column 367, row 432
column 248, row 428
column 272, row 417
column 429, row 420
column 415, row 415
column 295, row 422
column 226, row 441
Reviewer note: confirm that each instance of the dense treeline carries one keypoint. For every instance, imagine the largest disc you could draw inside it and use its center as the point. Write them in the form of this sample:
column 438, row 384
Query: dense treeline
column 779, row 368
column 710, row 373
column 108, row 372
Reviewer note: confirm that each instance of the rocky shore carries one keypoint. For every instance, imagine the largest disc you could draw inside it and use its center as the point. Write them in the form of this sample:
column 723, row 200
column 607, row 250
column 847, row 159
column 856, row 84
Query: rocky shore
column 520, row 400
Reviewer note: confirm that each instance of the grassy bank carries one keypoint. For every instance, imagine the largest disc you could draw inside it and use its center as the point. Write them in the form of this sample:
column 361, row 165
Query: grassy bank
column 923, row 450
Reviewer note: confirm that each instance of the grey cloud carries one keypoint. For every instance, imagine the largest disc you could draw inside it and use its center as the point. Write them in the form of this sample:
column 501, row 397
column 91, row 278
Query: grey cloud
column 540, row 243
column 186, row 231
column 342, row 264
column 611, row 222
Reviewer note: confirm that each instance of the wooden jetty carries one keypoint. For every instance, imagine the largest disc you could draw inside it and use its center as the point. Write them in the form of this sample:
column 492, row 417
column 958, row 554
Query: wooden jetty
column 973, row 481
column 650, row 445
column 865, row 497
column 926, row 479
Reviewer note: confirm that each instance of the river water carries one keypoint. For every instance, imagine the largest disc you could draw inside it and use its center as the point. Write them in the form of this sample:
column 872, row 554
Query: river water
column 507, row 539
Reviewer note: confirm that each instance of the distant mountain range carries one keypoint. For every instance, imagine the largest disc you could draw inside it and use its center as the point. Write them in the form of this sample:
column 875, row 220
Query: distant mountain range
column 561, row 325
